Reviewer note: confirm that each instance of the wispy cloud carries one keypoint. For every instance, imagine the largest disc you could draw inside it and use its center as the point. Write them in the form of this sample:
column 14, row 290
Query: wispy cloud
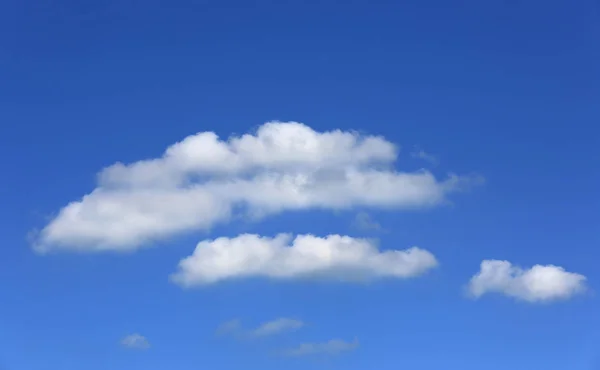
column 230, row 327
column 281, row 325
column 331, row 347
column 364, row 221
column 135, row 341
column 421, row 154
column 277, row 326
column 273, row 327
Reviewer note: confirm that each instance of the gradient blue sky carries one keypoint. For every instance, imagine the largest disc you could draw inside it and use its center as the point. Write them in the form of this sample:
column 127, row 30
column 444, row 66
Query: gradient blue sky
column 509, row 90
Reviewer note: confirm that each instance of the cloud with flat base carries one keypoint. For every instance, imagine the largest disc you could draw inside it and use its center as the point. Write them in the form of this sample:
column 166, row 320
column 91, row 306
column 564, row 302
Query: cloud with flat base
column 285, row 257
column 540, row 283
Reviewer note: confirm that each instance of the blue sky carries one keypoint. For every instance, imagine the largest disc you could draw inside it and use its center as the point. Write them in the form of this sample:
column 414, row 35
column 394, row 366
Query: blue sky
column 502, row 94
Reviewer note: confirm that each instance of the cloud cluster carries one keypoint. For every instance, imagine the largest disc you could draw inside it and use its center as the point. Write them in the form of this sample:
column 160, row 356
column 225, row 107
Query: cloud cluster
column 202, row 181
column 537, row 284
column 334, row 257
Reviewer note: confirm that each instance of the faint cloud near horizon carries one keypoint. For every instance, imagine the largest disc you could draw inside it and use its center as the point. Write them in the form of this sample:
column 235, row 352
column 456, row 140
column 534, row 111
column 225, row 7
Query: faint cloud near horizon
column 331, row 347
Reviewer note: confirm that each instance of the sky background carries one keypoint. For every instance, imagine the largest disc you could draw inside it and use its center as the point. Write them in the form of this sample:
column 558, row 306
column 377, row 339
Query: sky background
column 509, row 90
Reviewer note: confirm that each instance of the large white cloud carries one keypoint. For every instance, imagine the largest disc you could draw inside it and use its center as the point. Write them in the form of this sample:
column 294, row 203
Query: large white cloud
column 333, row 257
column 203, row 180
column 537, row 284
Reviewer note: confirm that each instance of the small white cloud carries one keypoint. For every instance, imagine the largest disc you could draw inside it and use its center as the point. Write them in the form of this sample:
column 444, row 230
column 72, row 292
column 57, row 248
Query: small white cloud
column 365, row 222
column 135, row 341
column 537, row 284
column 277, row 326
column 202, row 181
column 334, row 257
column 421, row 154
column 332, row 347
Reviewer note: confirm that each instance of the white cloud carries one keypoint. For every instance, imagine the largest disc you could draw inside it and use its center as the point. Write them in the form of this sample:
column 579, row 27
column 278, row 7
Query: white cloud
column 421, row 154
column 202, row 180
column 332, row 347
column 277, row 326
column 135, row 341
column 537, row 284
column 334, row 257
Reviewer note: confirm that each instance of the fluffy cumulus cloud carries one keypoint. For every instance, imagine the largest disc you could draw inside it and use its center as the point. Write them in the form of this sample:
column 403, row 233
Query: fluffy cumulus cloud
column 334, row 257
column 135, row 341
column 537, row 284
column 331, row 347
column 204, row 180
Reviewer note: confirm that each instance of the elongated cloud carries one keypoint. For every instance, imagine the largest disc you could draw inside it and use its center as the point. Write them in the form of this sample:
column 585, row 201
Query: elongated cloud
column 202, row 181
column 331, row 347
column 537, row 284
column 277, row 326
column 273, row 327
column 283, row 257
